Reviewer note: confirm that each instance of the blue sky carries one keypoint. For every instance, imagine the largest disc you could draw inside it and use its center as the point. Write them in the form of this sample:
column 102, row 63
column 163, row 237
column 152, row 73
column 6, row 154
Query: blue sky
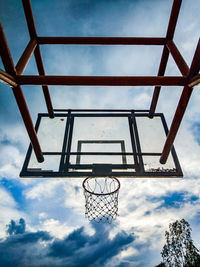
column 54, row 231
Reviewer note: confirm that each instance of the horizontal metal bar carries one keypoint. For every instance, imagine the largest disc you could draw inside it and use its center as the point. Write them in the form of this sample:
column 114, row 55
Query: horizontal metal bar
column 102, row 40
column 116, row 153
column 101, row 114
column 147, row 115
column 100, row 141
column 81, row 174
column 113, row 114
column 89, row 114
column 101, row 110
column 194, row 81
column 103, row 153
column 101, row 80
column 90, row 166
column 182, row 65
column 24, row 59
column 7, row 79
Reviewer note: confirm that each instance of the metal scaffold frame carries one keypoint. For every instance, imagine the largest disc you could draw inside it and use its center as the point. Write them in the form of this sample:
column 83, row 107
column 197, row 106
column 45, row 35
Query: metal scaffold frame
column 13, row 75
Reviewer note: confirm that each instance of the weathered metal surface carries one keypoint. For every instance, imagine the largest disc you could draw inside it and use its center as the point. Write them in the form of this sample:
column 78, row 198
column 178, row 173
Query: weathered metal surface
column 19, row 97
column 24, row 59
column 37, row 53
column 181, row 108
column 194, row 81
column 5, row 54
column 102, row 40
column 181, row 64
column 165, row 55
column 102, row 80
column 28, row 122
column 7, row 79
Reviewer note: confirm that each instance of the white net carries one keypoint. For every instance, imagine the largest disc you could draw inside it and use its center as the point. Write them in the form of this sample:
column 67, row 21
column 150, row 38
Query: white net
column 101, row 196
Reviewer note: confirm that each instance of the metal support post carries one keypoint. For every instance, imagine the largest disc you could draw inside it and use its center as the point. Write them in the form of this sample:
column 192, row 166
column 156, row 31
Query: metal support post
column 37, row 53
column 182, row 105
column 24, row 59
column 21, row 102
column 17, row 91
column 165, row 55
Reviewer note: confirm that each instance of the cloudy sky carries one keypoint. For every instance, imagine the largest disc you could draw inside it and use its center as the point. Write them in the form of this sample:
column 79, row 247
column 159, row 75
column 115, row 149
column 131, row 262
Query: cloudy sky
column 49, row 227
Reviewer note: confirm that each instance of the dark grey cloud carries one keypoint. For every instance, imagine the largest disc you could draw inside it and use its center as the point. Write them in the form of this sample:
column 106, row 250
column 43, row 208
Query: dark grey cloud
column 22, row 248
column 14, row 229
column 80, row 249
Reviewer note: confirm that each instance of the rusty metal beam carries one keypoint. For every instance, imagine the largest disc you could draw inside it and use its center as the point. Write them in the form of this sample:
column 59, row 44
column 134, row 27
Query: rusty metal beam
column 7, row 79
column 102, row 80
column 165, row 55
column 24, row 59
column 5, row 53
column 29, row 19
column 195, row 65
column 181, row 64
column 161, row 72
column 194, row 81
column 182, row 105
column 17, row 91
column 173, row 19
column 33, row 34
column 23, row 108
column 102, row 40
column 45, row 88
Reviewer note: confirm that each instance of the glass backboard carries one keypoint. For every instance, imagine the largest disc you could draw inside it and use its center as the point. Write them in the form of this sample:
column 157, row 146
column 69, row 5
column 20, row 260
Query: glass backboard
column 90, row 143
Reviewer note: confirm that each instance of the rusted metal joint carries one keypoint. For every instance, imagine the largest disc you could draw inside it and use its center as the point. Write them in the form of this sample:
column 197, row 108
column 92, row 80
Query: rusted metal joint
column 194, row 81
column 7, row 79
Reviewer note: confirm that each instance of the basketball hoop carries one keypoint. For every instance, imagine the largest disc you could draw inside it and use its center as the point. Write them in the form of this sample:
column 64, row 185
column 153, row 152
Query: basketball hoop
column 101, row 196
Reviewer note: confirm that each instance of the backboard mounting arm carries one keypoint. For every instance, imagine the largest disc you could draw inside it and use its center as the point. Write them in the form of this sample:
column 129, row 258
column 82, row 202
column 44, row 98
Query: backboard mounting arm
column 165, row 54
column 19, row 97
column 182, row 105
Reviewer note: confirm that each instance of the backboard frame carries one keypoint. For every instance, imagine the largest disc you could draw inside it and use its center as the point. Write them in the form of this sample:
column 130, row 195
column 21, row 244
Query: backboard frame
column 66, row 169
column 81, row 142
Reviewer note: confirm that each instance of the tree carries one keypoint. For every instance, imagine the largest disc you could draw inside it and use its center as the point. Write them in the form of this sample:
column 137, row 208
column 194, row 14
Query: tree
column 179, row 250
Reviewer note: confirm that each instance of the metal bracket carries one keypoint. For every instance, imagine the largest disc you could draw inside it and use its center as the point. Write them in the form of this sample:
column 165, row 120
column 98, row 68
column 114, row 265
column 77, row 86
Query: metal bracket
column 102, row 169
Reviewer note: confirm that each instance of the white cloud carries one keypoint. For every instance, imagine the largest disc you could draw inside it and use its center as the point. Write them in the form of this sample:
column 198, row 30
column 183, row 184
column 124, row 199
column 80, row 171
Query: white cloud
column 10, row 161
column 44, row 189
column 43, row 215
column 128, row 252
column 9, row 210
column 56, row 228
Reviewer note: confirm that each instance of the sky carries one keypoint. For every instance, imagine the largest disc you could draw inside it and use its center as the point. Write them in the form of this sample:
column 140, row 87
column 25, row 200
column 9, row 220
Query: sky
column 42, row 221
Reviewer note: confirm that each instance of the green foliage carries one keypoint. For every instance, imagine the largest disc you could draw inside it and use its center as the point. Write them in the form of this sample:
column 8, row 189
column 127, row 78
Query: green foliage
column 179, row 250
